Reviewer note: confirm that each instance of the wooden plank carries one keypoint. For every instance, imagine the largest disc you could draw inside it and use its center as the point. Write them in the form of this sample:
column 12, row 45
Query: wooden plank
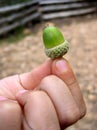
column 17, row 7
column 68, row 13
column 18, row 23
column 64, row 7
column 14, row 16
column 49, row 2
column 30, row 17
column 9, row 28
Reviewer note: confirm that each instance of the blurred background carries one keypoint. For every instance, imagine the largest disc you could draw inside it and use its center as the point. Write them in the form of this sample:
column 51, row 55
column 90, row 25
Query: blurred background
column 21, row 46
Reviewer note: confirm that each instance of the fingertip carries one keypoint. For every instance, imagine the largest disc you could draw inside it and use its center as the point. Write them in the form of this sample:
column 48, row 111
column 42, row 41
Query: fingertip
column 60, row 66
column 63, row 70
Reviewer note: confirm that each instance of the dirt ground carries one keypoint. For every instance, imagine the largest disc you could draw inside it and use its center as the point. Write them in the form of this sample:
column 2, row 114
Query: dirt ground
column 28, row 53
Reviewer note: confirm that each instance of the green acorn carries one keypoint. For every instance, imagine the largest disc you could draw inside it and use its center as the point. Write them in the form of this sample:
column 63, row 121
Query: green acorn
column 55, row 44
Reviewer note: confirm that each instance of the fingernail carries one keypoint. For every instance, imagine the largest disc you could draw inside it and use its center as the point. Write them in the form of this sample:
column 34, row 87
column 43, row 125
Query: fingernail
column 2, row 98
column 61, row 65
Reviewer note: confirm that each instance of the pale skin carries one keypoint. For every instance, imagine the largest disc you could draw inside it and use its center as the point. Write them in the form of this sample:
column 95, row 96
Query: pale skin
column 47, row 98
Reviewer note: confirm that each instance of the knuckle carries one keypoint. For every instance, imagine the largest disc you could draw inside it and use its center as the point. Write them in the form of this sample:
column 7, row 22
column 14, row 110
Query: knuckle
column 48, row 78
column 70, row 117
column 83, row 111
column 52, row 79
column 11, row 115
column 73, row 115
column 10, row 109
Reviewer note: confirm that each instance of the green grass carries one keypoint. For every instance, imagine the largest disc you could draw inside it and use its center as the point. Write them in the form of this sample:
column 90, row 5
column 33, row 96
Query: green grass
column 14, row 37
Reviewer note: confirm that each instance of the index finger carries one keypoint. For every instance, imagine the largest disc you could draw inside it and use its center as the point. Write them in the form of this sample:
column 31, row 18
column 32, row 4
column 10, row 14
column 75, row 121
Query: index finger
column 31, row 79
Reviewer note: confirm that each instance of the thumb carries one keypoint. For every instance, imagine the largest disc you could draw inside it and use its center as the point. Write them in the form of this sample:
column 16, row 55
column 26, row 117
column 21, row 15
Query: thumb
column 31, row 79
column 63, row 70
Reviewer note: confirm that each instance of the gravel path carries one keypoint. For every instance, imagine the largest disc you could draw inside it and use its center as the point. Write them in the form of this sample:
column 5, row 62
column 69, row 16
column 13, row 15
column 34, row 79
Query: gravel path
column 28, row 53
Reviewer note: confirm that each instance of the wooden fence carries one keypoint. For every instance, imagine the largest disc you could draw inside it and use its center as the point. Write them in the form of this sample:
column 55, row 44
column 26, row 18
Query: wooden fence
column 17, row 15
column 14, row 15
column 65, row 8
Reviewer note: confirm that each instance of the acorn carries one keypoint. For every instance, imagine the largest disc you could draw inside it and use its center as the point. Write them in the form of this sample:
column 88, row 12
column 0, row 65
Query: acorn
column 55, row 44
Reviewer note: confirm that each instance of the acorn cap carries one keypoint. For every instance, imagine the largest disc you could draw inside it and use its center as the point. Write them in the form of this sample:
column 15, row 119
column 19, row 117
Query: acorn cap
column 55, row 44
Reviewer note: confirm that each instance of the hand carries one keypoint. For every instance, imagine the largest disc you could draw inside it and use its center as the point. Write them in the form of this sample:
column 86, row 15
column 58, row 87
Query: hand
column 47, row 98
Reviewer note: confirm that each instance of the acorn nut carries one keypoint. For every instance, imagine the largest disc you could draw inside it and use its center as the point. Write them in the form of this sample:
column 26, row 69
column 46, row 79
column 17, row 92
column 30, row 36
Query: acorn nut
column 55, row 44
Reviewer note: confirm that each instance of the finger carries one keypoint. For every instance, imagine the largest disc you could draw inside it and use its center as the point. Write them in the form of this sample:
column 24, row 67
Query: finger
column 32, row 79
column 65, row 105
column 39, row 111
column 11, row 85
column 10, row 115
column 62, row 69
